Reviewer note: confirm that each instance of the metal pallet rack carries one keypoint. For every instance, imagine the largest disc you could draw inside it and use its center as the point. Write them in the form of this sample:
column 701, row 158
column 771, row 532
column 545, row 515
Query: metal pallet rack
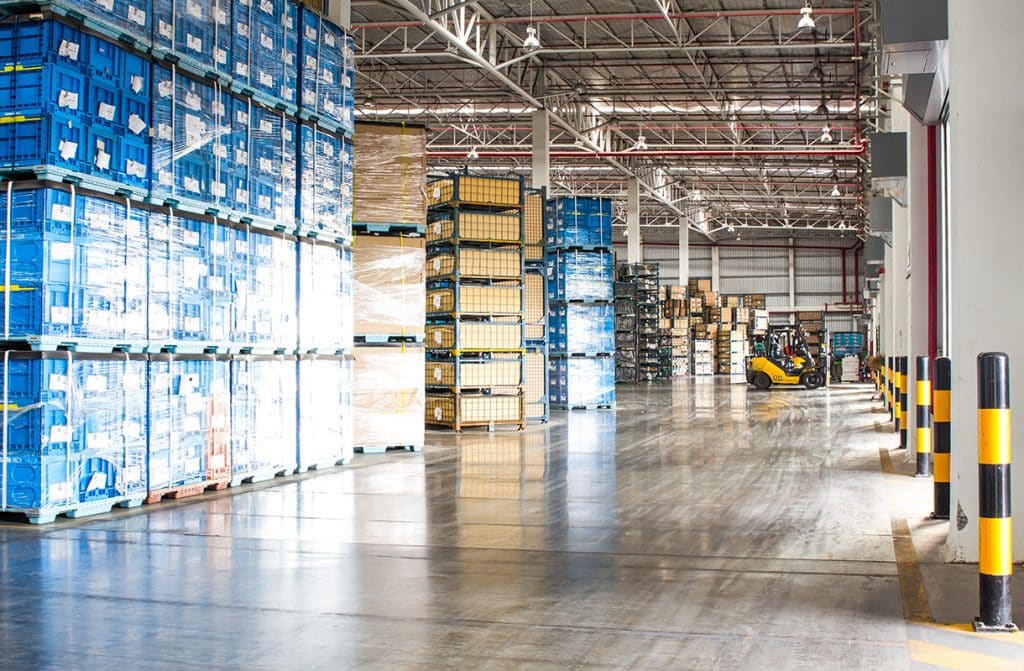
column 638, row 339
column 535, row 309
column 476, row 278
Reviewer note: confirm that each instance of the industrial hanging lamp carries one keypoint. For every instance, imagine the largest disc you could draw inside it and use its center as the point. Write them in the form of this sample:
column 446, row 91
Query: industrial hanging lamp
column 532, row 42
column 472, row 155
column 806, row 19
column 826, row 135
column 641, row 143
column 835, row 191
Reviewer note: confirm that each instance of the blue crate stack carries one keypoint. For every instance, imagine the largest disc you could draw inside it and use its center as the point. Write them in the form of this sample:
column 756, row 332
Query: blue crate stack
column 178, row 182
column 581, row 323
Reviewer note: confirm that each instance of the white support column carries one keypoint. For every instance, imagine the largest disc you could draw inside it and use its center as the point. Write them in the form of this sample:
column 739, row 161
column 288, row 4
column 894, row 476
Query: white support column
column 716, row 269
column 541, row 149
column 986, row 272
column 684, row 250
column 900, row 122
column 917, row 205
column 792, row 280
column 634, row 253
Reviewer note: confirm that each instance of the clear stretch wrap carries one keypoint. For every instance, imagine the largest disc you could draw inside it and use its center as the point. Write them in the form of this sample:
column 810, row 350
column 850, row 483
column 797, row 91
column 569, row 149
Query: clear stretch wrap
column 72, row 100
column 325, row 298
column 189, row 420
column 389, row 294
column 388, row 397
column 325, row 412
column 180, row 302
column 74, row 432
column 195, row 30
column 580, row 276
column 265, row 290
column 263, row 420
column 273, row 165
column 75, row 270
column 582, row 328
column 579, row 221
column 132, row 16
column 390, row 174
column 264, row 47
column 578, row 382
column 325, row 77
column 324, row 184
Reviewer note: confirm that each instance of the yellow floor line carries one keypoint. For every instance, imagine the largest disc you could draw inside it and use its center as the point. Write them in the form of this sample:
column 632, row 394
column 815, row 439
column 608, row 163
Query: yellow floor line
column 1016, row 638
column 944, row 657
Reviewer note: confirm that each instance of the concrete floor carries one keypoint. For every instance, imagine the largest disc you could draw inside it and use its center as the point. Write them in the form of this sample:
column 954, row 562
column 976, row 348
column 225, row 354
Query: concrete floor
column 702, row 526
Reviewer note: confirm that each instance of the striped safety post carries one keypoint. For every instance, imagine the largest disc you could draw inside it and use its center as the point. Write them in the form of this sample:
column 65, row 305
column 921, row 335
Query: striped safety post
column 896, row 394
column 940, row 409
column 995, row 542
column 904, row 401
column 889, row 374
column 923, row 415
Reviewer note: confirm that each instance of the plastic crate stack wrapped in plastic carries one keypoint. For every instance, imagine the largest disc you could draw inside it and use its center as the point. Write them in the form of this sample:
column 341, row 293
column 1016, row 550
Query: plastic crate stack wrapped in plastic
column 179, row 190
column 581, row 321
column 475, row 302
column 638, row 333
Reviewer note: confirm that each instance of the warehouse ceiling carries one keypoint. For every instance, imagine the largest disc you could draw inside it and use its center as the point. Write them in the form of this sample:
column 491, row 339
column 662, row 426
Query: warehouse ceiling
column 716, row 106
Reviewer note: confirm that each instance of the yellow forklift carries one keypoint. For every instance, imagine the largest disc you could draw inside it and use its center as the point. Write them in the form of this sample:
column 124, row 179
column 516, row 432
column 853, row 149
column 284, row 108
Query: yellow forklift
column 771, row 365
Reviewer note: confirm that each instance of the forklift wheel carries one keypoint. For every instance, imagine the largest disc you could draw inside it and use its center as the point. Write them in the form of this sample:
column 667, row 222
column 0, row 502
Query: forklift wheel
column 813, row 380
column 761, row 381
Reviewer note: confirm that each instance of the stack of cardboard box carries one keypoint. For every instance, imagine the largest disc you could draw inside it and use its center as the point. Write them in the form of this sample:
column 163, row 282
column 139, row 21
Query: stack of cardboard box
column 813, row 324
column 676, row 320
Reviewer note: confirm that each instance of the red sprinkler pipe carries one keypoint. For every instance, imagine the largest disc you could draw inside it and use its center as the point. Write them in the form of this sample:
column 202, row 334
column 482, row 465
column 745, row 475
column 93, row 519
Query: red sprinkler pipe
column 842, row 253
column 665, row 153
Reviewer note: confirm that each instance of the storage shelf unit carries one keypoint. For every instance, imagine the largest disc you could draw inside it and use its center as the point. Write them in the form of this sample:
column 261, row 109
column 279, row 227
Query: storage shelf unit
column 638, row 333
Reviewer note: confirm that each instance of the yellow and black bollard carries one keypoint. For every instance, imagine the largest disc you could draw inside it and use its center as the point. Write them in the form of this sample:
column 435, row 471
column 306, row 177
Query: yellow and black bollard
column 896, row 394
column 904, row 402
column 995, row 542
column 923, row 406
column 889, row 377
column 940, row 409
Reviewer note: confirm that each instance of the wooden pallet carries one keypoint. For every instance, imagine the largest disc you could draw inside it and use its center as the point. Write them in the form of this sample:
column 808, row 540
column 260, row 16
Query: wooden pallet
column 184, row 491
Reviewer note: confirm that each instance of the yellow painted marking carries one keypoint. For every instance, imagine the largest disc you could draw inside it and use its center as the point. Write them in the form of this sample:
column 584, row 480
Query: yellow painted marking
column 944, row 657
column 941, row 404
column 995, row 545
column 1016, row 638
column 993, row 436
column 924, row 440
column 941, row 465
column 924, row 392
column 912, row 594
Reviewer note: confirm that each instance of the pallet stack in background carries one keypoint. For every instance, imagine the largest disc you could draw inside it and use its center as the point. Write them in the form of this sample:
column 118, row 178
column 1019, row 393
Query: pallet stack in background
column 703, row 357
column 389, row 259
column 813, row 324
column 582, row 316
column 535, row 312
column 675, row 317
column 178, row 285
column 638, row 305
column 475, row 298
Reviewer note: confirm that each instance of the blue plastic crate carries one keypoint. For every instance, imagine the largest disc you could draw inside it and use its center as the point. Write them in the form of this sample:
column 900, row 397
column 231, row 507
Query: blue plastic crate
column 197, row 30
column 578, row 382
column 580, row 275
column 582, row 328
column 43, row 89
column 578, row 221
column 324, row 431
column 28, row 39
column 131, row 17
column 241, row 41
column 323, row 161
column 323, row 78
column 178, row 421
column 273, row 167
column 263, row 417
column 274, row 50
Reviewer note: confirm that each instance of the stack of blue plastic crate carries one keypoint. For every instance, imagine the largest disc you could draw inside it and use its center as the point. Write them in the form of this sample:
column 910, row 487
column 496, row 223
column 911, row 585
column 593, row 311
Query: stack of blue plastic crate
column 580, row 269
column 178, row 186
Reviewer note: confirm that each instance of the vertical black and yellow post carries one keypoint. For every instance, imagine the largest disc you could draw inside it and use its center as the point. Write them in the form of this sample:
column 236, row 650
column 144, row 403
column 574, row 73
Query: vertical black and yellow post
column 889, row 374
column 940, row 410
column 904, row 401
column 923, row 417
column 896, row 393
column 995, row 540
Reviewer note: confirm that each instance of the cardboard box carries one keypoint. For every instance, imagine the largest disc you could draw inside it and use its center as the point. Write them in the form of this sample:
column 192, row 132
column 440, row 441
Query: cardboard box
column 732, row 301
column 675, row 292
column 704, row 286
column 389, row 291
column 726, row 315
column 697, row 304
column 389, row 174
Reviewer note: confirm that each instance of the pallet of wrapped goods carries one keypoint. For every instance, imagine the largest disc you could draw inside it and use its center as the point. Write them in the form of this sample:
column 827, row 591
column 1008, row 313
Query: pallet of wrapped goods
column 470, row 263
column 473, row 190
column 390, row 166
column 579, row 222
column 468, row 225
column 388, row 396
column 458, row 411
column 263, row 420
column 389, row 295
column 582, row 383
column 324, row 412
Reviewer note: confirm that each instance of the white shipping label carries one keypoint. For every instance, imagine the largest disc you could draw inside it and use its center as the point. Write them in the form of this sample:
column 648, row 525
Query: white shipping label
column 60, row 433
column 220, row 16
column 242, row 69
column 97, row 481
column 310, row 63
column 266, row 165
column 100, row 220
column 162, row 427
column 311, row 33
column 437, row 228
column 191, row 184
column 102, row 160
column 219, row 190
column 437, row 192
column 242, row 29
column 193, row 42
column 135, row 124
column 327, row 76
column 165, row 88
column 242, row 116
column 194, row 8
column 437, row 301
column 328, row 150
column 217, row 248
column 241, row 157
column 287, row 92
column 67, row 99
column 288, row 23
column 105, row 4
column 220, row 151
column 61, row 251
column 438, row 413
column 57, row 382
column 165, row 131
column 437, row 373
column 437, row 265
column 267, row 7
column 187, row 384
column 133, row 474
column 136, row 15
column 106, row 111
column 135, row 169
column 217, row 106
column 60, row 315
column 241, row 195
column 309, row 98
column 329, row 39
column 98, row 441
column 437, row 337
column 215, row 283
column 69, row 49
column 61, row 212
column 191, row 238
column 193, row 102
column 131, row 431
column 266, row 41
column 165, row 177
column 263, row 202
column 266, row 79
column 195, row 130
column 165, row 30
column 96, row 384
column 136, row 83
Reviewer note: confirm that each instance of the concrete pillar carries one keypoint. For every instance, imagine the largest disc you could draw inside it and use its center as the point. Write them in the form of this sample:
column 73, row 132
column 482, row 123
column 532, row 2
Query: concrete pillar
column 792, row 280
column 541, row 149
column 716, row 269
column 340, row 12
column 684, row 250
column 899, row 122
column 986, row 237
column 917, row 209
column 634, row 253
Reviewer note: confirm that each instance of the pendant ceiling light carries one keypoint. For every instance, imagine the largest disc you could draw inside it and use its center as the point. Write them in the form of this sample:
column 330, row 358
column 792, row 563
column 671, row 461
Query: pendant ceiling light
column 532, row 42
column 826, row 135
column 806, row 19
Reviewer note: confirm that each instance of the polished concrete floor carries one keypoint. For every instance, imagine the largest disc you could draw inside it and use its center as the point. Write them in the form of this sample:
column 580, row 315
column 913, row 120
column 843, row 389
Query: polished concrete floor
column 701, row 526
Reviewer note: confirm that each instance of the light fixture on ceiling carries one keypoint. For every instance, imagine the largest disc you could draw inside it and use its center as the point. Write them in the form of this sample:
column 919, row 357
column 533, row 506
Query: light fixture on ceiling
column 826, row 135
column 835, row 191
column 472, row 155
column 822, row 107
column 532, row 42
column 806, row 19
column 641, row 143
column 732, row 229
column 737, row 236
column 368, row 100
column 816, row 72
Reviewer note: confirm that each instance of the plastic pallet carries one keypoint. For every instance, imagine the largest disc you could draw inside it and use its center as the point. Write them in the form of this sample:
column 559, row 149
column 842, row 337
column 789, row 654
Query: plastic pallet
column 375, row 339
column 262, row 475
column 580, row 248
column 175, row 347
column 185, row 491
column 94, row 20
column 381, row 449
column 51, row 173
column 599, row 406
column 77, row 510
column 394, row 229
column 84, row 345
column 582, row 355
column 320, row 466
